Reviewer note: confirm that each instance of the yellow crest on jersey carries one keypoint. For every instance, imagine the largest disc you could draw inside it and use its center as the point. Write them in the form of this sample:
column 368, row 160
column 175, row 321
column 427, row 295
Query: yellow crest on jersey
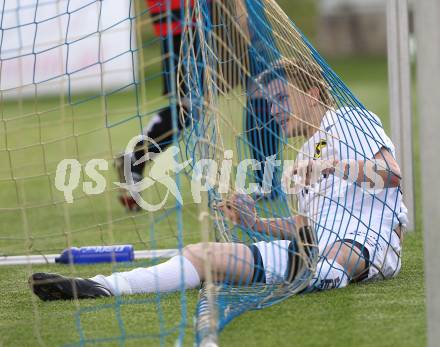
column 318, row 148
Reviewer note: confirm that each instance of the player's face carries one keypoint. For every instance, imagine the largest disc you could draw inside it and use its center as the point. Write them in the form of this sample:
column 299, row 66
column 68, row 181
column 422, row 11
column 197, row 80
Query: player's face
column 290, row 107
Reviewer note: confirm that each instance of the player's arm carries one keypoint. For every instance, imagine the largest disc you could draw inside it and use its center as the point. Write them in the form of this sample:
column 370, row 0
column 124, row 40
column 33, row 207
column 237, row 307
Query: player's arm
column 382, row 170
column 280, row 228
column 240, row 209
column 384, row 165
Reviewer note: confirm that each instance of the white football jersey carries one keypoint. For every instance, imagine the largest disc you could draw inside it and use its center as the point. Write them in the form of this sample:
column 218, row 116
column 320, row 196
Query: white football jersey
column 339, row 208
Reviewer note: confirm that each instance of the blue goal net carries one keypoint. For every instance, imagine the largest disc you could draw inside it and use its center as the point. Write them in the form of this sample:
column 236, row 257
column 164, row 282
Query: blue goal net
column 260, row 97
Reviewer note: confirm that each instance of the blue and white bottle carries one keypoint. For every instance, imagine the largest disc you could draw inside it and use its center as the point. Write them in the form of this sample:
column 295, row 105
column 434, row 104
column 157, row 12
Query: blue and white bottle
column 96, row 254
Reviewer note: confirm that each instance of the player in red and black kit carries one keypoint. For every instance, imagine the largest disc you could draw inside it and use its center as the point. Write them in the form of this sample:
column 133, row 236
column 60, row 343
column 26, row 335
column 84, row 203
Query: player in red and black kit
column 261, row 129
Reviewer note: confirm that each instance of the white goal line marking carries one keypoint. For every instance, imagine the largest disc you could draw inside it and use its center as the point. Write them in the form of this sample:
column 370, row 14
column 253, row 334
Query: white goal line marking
column 50, row 258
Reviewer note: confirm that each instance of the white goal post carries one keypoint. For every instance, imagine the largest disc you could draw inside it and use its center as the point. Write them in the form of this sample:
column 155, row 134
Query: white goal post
column 399, row 79
column 428, row 77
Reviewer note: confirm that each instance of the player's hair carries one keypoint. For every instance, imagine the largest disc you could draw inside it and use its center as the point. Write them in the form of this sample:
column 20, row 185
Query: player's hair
column 301, row 73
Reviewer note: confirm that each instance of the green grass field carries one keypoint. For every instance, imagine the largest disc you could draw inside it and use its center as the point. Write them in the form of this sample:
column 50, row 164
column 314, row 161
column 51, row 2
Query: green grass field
column 388, row 313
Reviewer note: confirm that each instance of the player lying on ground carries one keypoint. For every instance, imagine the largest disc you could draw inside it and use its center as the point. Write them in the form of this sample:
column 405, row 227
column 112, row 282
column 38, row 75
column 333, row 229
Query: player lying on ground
column 359, row 232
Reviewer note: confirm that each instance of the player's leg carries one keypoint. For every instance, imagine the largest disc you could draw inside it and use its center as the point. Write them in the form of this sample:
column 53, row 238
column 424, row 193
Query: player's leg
column 229, row 262
column 161, row 126
column 341, row 263
column 161, row 130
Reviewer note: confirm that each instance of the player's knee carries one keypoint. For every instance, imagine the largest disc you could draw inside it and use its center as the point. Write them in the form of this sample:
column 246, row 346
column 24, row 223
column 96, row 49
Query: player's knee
column 191, row 250
column 329, row 275
column 194, row 253
column 349, row 256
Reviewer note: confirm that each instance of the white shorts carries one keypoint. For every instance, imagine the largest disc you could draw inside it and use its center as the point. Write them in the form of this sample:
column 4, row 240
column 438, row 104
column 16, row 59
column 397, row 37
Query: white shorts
column 384, row 253
column 384, row 258
column 274, row 257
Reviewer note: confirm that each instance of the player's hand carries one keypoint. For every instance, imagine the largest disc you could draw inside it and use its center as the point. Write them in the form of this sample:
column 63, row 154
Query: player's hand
column 240, row 209
column 307, row 173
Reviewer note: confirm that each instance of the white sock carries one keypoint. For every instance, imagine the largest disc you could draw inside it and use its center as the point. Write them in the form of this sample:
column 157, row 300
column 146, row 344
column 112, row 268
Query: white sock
column 329, row 275
column 169, row 276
